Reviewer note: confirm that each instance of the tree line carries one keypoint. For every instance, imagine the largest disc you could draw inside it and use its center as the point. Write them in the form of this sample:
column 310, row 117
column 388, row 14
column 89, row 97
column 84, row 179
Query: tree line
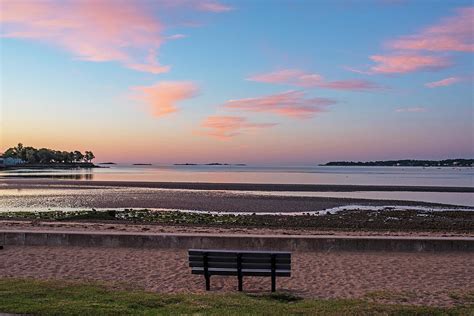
column 407, row 163
column 44, row 155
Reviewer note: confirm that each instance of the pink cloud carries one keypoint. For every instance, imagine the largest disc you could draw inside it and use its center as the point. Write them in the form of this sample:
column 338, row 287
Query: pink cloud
column 162, row 97
column 443, row 83
column 356, row 85
column 418, row 109
column 279, row 76
column 101, row 30
column 225, row 127
column 358, row 71
column 213, row 6
column 300, row 78
column 290, row 104
column 176, row 36
column 454, row 33
column 403, row 63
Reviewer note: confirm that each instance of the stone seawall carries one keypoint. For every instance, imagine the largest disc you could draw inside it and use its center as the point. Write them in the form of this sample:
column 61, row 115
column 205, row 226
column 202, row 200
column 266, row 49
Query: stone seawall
column 222, row 241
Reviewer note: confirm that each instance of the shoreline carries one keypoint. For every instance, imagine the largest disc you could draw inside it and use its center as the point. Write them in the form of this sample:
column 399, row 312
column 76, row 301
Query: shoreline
column 157, row 228
column 208, row 186
column 387, row 222
column 205, row 197
column 203, row 201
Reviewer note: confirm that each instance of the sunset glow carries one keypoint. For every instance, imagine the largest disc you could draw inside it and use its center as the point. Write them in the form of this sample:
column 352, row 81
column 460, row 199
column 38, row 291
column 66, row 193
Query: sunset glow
column 257, row 82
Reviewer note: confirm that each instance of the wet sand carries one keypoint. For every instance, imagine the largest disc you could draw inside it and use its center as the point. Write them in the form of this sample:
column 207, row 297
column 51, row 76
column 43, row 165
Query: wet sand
column 26, row 183
column 95, row 194
column 409, row 278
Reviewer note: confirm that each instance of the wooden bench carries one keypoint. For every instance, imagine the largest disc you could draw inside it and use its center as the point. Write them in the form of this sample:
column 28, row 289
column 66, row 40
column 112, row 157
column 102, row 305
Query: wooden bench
column 240, row 263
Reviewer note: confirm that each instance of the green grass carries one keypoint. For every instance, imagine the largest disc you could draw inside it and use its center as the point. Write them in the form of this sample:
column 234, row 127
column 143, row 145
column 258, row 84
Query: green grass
column 70, row 298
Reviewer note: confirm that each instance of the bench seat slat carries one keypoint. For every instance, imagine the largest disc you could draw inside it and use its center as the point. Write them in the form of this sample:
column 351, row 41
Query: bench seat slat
column 243, row 254
column 244, row 260
column 193, row 264
column 266, row 266
column 285, row 266
column 245, row 272
column 200, row 251
column 265, row 260
column 215, row 259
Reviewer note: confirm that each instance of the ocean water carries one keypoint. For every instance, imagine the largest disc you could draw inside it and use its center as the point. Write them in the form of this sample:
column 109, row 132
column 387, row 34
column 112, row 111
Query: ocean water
column 11, row 198
column 409, row 176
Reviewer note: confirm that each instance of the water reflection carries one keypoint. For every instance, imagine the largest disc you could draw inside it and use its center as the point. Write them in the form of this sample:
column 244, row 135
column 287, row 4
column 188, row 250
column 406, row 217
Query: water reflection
column 76, row 176
column 462, row 177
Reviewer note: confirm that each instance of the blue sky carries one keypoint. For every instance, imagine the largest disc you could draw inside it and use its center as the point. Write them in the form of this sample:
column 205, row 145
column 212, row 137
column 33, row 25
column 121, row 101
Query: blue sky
column 69, row 80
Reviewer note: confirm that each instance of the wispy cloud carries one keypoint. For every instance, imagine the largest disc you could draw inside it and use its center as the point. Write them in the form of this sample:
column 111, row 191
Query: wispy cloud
column 443, row 83
column 358, row 71
column 291, row 76
column 91, row 30
column 351, row 85
column 176, row 36
column 418, row 109
column 225, row 127
column 301, row 78
column 289, row 104
column 453, row 33
column 213, row 6
column 404, row 63
column 162, row 97
column 127, row 32
column 420, row 51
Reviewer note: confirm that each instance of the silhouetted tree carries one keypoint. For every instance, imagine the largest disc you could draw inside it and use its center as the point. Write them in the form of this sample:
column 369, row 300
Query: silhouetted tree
column 45, row 155
column 78, row 156
column 89, row 156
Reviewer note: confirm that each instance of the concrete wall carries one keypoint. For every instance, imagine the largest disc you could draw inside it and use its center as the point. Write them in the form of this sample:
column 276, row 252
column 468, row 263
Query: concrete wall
column 255, row 242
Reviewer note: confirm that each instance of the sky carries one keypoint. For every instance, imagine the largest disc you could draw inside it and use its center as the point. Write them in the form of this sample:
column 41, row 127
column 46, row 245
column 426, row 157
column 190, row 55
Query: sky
column 258, row 82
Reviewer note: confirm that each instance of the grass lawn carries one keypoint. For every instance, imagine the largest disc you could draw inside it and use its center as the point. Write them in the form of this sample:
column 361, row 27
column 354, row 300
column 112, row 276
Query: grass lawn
column 28, row 296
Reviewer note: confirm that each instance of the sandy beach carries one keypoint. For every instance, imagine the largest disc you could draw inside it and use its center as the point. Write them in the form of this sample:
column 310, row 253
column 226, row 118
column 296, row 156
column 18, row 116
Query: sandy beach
column 94, row 194
column 434, row 279
column 407, row 278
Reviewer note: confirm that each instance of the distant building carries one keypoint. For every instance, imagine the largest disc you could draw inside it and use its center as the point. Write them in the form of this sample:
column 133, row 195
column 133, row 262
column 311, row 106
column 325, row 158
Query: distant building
column 7, row 162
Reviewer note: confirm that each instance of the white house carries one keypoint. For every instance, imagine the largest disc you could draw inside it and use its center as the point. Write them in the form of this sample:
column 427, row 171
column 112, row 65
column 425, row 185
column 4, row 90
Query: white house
column 7, row 162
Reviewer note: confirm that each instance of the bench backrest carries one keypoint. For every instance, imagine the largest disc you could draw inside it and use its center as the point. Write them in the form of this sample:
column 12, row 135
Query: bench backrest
column 229, row 262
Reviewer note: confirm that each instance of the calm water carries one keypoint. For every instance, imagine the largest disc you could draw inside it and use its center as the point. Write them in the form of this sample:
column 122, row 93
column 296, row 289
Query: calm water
column 463, row 177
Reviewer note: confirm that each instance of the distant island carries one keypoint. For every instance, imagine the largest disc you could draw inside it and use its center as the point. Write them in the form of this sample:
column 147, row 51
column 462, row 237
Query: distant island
column 142, row 164
column 45, row 158
column 406, row 163
column 107, row 163
column 209, row 164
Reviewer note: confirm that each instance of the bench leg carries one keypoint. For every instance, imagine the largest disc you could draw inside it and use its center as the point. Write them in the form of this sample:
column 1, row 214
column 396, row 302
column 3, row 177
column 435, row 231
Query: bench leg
column 240, row 283
column 208, row 282
column 273, row 273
